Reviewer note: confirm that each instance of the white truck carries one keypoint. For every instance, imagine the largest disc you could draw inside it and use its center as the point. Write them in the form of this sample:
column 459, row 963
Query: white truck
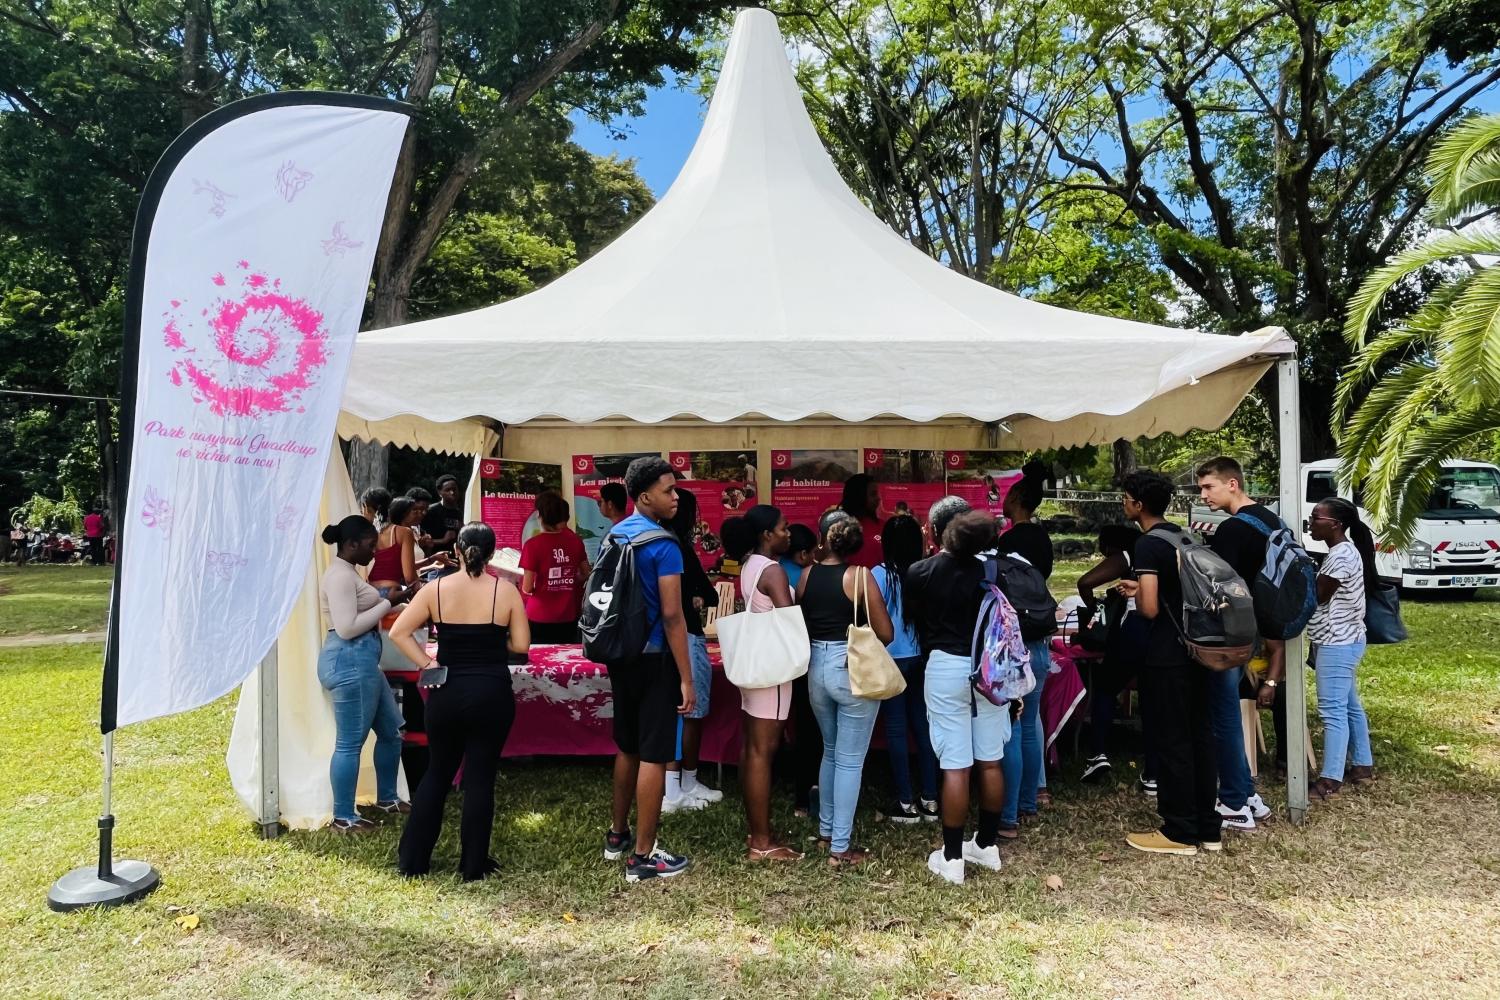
column 1456, row 546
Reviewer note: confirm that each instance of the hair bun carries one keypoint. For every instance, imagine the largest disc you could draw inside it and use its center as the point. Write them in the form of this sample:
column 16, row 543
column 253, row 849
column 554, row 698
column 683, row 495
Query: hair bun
column 331, row 534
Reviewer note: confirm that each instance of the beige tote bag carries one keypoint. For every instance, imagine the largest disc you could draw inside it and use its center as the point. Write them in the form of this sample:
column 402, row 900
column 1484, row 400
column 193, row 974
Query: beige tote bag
column 872, row 672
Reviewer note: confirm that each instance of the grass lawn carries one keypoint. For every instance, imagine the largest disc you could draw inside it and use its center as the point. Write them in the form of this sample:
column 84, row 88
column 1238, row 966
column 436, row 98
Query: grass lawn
column 38, row 599
column 1388, row 892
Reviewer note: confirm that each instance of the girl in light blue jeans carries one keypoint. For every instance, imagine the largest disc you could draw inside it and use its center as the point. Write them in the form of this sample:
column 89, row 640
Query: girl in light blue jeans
column 349, row 668
column 827, row 593
column 1337, row 630
column 1025, row 748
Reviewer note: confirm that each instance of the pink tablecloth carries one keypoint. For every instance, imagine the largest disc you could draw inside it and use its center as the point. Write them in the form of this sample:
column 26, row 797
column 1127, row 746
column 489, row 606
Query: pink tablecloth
column 564, row 707
column 1063, row 694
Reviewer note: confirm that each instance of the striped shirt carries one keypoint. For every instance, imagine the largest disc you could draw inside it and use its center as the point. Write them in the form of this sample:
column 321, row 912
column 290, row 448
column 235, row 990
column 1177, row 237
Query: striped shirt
column 1342, row 620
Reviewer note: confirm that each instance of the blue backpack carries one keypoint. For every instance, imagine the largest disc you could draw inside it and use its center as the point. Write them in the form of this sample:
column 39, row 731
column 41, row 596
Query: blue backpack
column 1001, row 664
column 1286, row 589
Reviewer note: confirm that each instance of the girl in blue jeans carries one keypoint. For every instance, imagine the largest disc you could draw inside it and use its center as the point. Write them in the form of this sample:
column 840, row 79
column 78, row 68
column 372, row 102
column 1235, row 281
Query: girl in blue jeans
column 906, row 713
column 827, row 592
column 1337, row 631
column 349, row 668
column 1023, row 762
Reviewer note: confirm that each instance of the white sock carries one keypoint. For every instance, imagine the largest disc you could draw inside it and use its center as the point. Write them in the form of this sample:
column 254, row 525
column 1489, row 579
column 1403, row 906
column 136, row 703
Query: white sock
column 674, row 790
column 689, row 779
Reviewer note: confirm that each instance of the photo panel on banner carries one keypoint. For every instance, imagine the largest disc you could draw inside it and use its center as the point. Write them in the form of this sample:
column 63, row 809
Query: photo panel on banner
column 723, row 482
column 590, row 472
column 806, row 482
column 910, row 482
column 982, row 477
column 507, row 497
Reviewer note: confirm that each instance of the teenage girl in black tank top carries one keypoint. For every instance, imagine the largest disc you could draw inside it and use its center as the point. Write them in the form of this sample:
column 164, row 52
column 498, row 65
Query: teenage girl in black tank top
column 470, row 714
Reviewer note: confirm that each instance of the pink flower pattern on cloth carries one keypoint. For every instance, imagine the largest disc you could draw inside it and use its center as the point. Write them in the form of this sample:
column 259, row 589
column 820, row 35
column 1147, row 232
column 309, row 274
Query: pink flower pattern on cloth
column 255, row 354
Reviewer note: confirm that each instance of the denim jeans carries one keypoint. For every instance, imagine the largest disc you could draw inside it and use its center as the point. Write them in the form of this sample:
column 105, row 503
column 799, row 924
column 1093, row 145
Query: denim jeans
column 1022, row 764
column 905, row 714
column 350, row 670
column 1235, row 783
column 847, row 723
column 1346, row 728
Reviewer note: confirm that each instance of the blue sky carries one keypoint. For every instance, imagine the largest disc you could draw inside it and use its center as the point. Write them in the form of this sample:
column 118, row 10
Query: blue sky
column 659, row 140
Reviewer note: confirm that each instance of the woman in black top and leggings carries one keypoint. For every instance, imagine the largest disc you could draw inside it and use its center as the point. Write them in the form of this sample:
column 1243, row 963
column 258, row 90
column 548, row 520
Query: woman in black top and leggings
column 469, row 715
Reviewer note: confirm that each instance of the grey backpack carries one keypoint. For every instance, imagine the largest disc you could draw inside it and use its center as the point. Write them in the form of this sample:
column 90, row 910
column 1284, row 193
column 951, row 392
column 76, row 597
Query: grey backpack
column 1218, row 611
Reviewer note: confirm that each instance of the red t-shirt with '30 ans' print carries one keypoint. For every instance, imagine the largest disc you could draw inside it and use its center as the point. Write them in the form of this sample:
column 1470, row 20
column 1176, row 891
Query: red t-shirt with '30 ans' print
column 556, row 557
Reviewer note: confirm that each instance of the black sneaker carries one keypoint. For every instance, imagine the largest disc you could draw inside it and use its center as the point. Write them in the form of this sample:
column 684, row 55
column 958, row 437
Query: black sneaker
column 929, row 810
column 1096, row 768
column 659, row 864
column 901, row 812
column 617, row 845
column 1147, row 786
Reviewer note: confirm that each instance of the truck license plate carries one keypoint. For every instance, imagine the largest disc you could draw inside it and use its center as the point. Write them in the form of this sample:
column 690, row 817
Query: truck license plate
column 1466, row 581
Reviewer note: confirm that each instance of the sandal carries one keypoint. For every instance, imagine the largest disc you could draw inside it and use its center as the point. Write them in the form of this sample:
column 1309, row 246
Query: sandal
column 1361, row 774
column 348, row 826
column 1324, row 789
column 1043, row 799
column 1009, row 831
column 395, row 807
column 848, row 859
column 780, row 852
column 821, row 842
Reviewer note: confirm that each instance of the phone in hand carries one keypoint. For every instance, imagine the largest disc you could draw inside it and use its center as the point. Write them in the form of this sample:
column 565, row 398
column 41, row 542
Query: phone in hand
column 433, row 676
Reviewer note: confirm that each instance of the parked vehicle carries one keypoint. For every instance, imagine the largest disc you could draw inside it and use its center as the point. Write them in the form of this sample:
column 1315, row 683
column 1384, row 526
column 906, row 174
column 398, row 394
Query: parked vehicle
column 1456, row 546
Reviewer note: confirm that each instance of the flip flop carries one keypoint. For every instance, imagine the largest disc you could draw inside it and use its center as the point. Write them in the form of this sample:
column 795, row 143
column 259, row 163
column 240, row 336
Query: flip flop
column 780, row 852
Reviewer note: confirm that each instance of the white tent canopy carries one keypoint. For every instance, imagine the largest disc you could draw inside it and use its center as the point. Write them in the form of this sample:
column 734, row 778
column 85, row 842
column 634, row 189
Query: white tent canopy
column 761, row 288
column 759, row 305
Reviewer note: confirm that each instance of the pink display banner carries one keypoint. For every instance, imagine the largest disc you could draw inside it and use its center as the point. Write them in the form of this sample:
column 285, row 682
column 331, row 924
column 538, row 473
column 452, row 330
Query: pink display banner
column 806, row 483
column 983, row 487
column 723, row 482
column 507, row 497
column 590, row 472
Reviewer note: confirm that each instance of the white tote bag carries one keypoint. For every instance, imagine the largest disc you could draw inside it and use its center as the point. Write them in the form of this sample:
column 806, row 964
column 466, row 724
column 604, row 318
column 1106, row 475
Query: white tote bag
column 762, row 649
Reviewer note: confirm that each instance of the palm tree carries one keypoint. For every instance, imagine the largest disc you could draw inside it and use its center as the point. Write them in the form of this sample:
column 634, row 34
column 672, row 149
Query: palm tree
column 1436, row 373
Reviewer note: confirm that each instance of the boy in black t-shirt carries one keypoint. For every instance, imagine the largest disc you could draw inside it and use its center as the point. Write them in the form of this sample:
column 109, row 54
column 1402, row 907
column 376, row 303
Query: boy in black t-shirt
column 1174, row 690
column 1221, row 485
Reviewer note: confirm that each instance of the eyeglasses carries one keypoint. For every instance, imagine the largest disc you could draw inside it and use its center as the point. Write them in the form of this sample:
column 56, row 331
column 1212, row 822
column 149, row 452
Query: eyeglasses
column 1325, row 517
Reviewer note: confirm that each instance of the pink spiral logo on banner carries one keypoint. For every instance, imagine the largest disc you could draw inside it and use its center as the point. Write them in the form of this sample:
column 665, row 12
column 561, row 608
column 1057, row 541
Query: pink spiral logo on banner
column 259, row 353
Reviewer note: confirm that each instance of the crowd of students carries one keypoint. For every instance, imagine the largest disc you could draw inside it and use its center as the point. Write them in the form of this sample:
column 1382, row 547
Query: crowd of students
column 919, row 591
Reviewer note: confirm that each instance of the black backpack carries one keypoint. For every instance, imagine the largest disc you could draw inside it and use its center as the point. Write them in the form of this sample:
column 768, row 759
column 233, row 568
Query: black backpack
column 613, row 620
column 1026, row 589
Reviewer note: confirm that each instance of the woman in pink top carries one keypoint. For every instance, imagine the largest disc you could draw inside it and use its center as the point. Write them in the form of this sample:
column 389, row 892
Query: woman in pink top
column 862, row 500
column 763, row 585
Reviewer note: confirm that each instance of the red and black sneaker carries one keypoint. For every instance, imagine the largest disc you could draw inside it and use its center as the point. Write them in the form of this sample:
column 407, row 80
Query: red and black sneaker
column 658, row 864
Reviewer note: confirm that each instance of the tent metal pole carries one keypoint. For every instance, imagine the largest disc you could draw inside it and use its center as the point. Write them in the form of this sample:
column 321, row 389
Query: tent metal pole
column 269, row 812
column 1289, row 424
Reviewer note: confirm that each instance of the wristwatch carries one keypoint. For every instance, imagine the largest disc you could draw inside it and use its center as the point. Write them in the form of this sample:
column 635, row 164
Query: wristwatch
column 1269, row 683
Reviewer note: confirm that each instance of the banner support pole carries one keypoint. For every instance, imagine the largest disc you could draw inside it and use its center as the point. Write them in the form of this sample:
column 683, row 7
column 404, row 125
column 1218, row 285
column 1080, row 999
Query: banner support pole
column 270, row 746
column 111, row 882
column 1289, row 426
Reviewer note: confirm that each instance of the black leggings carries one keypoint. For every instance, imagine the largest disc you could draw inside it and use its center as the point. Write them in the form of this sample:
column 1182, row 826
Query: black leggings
column 807, row 745
column 468, row 720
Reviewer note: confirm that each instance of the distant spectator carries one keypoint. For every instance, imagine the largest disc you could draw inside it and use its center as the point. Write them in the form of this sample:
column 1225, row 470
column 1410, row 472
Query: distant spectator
column 93, row 530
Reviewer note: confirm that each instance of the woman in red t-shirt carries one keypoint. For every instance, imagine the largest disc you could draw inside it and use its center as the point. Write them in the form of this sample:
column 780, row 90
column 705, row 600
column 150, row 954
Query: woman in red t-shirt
column 556, row 569
column 862, row 500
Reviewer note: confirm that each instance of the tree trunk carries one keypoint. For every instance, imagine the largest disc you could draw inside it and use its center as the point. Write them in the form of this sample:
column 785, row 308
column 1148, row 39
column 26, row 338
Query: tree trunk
column 369, row 464
column 104, row 434
column 1124, row 459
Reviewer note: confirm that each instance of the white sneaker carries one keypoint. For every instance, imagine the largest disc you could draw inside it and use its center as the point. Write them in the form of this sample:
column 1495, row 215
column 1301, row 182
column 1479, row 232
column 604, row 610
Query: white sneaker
column 952, row 871
column 1242, row 820
column 702, row 793
column 685, row 802
column 985, row 857
column 1258, row 807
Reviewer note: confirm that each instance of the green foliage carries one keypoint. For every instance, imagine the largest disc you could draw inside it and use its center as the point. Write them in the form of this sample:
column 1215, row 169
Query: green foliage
column 1428, row 388
column 44, row 514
